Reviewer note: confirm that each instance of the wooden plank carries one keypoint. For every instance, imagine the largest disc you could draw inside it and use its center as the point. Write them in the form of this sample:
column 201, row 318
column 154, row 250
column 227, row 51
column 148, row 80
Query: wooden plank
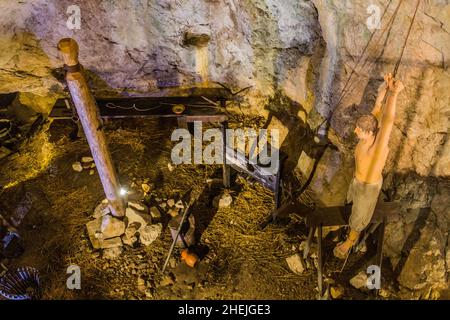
column 145, row 108
column 335, row 216
column 339, row 215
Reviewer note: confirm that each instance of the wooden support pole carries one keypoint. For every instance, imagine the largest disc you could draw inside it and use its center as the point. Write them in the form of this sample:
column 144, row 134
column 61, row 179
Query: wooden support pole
column 225, row 168
column 90, row 120
column 320, row 263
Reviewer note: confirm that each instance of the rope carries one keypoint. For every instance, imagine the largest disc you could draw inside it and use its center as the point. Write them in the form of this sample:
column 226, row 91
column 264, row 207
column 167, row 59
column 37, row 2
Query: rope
column 388, row 25
column 362, row 53
column 346, row 89
column 397, row 65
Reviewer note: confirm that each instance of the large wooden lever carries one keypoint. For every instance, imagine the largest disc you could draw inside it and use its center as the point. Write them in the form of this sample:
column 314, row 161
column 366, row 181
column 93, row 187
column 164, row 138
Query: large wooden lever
column 90, row 120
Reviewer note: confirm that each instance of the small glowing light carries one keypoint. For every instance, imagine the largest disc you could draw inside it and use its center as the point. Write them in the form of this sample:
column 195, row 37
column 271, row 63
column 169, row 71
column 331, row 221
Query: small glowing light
column 123, row 191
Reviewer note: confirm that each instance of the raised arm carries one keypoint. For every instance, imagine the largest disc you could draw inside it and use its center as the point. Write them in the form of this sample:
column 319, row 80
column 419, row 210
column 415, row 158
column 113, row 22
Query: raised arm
column 377, row 110
column 388, row 114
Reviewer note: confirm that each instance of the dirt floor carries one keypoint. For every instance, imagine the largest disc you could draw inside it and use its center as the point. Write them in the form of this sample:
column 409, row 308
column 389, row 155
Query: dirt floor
column 239, row 260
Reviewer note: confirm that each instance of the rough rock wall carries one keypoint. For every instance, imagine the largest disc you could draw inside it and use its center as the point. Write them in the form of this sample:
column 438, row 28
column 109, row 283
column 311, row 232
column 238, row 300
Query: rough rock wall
column 295, row 55
column 134, row 46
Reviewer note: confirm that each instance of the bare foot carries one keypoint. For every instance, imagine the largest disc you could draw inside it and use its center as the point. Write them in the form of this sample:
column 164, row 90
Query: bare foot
column 341, row 249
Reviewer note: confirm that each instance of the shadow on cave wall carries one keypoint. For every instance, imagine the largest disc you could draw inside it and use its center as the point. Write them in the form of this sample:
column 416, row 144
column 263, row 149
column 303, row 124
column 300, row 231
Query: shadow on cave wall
column 299, row 139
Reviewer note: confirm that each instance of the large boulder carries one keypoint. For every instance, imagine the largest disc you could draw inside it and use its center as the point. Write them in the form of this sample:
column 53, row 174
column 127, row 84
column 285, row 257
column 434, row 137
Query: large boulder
column 418, row 254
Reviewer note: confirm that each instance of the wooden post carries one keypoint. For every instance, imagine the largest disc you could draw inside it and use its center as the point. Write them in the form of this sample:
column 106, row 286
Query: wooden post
column 320, row 263
column 90, row 120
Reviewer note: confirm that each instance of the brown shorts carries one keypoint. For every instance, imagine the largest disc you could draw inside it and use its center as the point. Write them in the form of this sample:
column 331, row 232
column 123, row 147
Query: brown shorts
column 364, row 197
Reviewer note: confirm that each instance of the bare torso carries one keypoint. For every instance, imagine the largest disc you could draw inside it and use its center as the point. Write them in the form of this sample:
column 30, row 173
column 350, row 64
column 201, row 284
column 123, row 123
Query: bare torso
column 369, row 167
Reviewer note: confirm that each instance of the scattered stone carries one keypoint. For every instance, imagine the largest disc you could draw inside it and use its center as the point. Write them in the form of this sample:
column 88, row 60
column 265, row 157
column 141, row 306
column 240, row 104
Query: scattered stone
column 101, row 210
column 112, row 227
column 170, row 167
column 155, row 213
column 112, row 253
column 223, row 201
column 145, row 187
column 337, row 292
column 150, row 233
column 130, row 231
column 94, row 229
column 91, row 172
column 163, row 205
column 296, row 263
column 170, row 202
column 111, row 243
column 92, row 165
column 179, row 204
column 129, row 241
column 87, row 159
column 359, row 281
column 137, row 206
column 172, row 212
column 77, row 166
column 136, row 219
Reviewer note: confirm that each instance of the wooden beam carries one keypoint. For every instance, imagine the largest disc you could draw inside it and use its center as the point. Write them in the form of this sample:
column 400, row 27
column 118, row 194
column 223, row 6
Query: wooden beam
column 90, row 120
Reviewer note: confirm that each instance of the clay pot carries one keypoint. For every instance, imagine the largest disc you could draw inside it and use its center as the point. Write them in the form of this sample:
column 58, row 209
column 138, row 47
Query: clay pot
column 190, row 259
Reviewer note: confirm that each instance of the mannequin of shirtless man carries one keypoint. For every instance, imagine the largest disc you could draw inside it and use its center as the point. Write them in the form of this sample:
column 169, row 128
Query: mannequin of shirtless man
column 373, row 132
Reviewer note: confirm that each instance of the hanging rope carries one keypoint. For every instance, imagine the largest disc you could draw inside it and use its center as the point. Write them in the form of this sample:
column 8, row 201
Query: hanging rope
column 347, row 87
column 389, row 25
column 362, row 53
column 399, row 61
